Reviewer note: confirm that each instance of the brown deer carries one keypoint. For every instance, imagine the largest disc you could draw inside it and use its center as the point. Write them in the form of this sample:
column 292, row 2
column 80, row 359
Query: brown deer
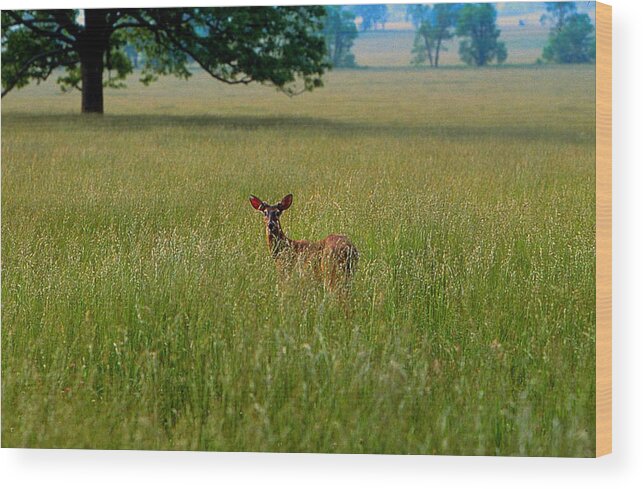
column 333, row 259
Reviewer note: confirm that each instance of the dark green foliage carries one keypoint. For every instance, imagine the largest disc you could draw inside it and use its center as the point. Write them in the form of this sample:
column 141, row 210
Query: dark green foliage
column 477, row 23
column 340, row 32
column 434, row 26
column 276, row 45
column 571, row 40
column 26, row 55
column 371, row 15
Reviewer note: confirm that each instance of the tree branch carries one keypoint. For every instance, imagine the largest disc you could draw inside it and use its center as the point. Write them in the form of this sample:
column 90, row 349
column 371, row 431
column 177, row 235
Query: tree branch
column 65, row 22
column 29, row 23
column 245, row 80
column 28, row 64
column 144, row 23
column 132, row 25
column 292, row 94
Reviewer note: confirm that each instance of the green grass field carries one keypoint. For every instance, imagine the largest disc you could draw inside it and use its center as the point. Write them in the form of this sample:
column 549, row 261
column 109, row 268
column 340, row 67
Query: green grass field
column 141, row 310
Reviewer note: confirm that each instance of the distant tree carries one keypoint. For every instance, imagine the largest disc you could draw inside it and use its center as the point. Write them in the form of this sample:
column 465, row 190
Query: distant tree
column 275, row 45
column 433, row 27
column 573, row 42
column 557, row 12
column 340, row 32
column 477, row 24
column 371, row 15
column 415, row 12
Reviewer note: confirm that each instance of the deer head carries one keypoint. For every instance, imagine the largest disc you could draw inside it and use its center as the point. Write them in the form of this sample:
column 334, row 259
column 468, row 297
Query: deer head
column 271, row 214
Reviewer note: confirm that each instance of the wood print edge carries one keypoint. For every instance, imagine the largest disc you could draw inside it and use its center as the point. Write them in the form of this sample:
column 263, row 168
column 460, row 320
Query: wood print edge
column 603, row 229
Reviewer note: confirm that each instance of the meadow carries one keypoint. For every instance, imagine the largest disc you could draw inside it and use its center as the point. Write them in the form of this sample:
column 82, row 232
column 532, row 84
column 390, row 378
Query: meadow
column 141, row 309
column 392, row 47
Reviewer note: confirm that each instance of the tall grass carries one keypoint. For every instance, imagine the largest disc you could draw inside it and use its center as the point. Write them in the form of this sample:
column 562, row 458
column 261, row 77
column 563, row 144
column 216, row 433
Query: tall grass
column 140, row 308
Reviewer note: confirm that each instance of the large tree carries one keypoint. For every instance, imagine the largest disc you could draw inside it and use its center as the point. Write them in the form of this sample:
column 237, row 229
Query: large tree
column 282, row 46
column 477, row 25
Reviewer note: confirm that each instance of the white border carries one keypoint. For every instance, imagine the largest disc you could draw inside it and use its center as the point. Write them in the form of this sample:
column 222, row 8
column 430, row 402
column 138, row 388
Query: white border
column 624, row 468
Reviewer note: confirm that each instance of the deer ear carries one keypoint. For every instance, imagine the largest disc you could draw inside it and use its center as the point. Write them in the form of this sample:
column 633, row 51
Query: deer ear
column 286, row 202
column 257, row 203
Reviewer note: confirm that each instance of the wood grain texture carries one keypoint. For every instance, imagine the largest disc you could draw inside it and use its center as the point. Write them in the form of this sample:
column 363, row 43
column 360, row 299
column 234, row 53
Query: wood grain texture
column 603, row 229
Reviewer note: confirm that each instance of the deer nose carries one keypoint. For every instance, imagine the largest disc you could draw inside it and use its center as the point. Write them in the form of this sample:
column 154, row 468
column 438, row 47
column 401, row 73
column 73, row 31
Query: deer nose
column 272, row 226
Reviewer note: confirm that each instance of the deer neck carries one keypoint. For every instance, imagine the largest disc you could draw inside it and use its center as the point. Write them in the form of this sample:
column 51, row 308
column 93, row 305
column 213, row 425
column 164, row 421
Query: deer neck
column 277, row 242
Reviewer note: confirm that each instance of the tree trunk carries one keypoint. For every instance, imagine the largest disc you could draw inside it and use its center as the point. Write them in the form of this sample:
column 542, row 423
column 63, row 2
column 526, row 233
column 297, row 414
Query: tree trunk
column 91, row 66
column 337, row 55
column 429, row 48
column 437, row 52
column 93, row 43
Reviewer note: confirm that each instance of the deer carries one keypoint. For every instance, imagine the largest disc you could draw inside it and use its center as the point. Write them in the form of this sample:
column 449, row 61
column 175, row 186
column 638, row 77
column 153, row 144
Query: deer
column 332, row 259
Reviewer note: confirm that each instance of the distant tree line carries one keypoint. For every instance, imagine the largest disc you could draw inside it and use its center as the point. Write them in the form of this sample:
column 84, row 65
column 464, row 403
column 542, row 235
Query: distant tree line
column 340, row 29
column 339, row 32
column 571, row 38
column 371, row 15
